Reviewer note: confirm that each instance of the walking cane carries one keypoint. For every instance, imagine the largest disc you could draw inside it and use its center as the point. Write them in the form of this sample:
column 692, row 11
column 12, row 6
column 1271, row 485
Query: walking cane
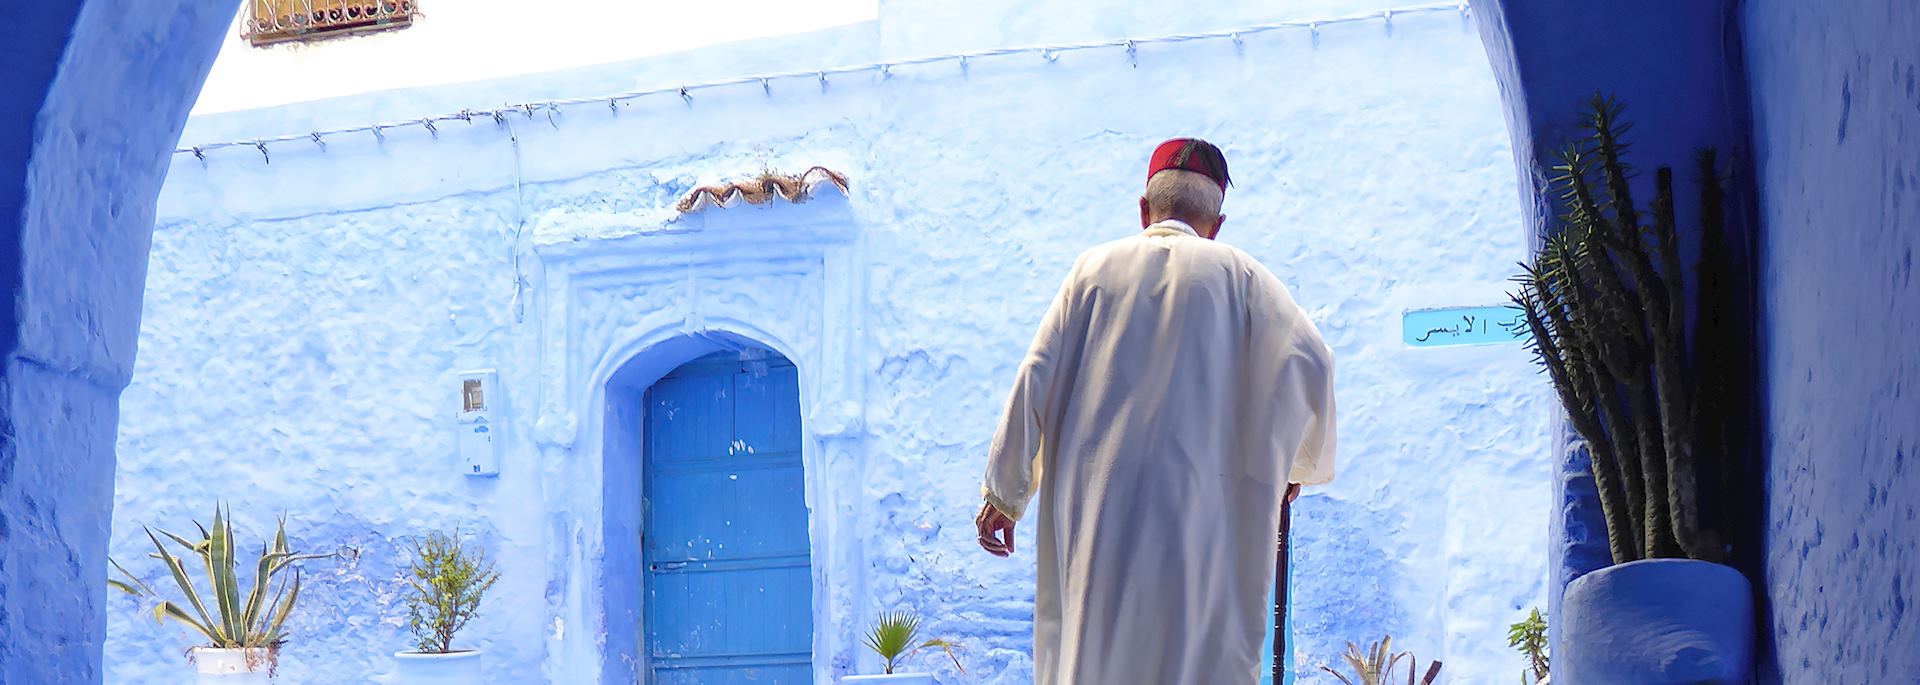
column 1280, row 593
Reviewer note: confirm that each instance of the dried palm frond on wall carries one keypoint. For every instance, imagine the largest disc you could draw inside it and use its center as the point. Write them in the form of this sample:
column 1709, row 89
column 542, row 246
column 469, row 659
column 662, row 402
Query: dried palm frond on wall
column 762, row 188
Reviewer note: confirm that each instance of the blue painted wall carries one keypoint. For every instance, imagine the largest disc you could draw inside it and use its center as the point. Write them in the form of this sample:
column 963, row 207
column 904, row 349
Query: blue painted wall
column 91, row 95
column 1836, row 89
column 1677, row 68
column 333, row 405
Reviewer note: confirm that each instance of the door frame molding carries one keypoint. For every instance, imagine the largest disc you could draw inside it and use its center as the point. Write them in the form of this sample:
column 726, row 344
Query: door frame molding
column 623, row 299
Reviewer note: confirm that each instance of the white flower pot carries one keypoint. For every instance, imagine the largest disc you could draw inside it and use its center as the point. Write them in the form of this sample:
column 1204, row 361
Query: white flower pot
column 895, row 679
column 452, row 668
column 233, row 666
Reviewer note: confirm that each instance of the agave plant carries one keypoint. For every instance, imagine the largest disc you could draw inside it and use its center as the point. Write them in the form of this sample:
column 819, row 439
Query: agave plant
column 229, row 615
column 897, row 635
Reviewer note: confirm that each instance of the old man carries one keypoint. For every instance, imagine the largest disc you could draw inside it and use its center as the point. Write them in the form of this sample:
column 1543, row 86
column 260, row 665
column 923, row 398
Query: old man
column 1172, row 395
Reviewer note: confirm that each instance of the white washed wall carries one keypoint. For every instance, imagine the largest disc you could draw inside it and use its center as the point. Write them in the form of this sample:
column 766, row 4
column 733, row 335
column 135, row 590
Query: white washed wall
column 304, row 318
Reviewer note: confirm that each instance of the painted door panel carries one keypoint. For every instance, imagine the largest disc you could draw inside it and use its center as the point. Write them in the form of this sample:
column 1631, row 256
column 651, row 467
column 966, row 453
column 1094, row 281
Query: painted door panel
column 729, row 579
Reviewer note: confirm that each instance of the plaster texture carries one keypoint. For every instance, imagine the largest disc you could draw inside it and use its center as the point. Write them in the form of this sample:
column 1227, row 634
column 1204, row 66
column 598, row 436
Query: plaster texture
column 1657, row 621
column 1836, row 90
column 308, row 314
column 94, row 95
column 305, row 317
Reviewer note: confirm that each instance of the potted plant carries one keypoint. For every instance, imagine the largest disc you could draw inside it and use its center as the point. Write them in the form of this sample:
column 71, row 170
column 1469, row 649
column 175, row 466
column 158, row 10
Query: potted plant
column 895, row 636
column 243, row 624
column 444, row 587
column 1374, row 665
column 1605, row 300
column 1529, row 636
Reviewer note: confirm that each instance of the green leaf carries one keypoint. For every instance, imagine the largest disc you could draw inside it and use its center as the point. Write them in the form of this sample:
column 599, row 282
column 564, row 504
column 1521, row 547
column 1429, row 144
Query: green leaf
column 947, row 647
column 165, row 610
column 220, row 563
column 179, row 572
column 132, row 585
column 285, row 607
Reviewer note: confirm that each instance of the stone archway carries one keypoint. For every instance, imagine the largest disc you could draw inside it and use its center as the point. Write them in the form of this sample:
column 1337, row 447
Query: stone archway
column 92, row 101
column 623, row 311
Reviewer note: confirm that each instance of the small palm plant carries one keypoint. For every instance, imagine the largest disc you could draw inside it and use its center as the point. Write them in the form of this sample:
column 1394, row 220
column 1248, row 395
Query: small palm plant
column 1374, row 665
column 228, row 614
column 444, row 588
column 1371, row 666
column 897, row 635
column 1529, row 636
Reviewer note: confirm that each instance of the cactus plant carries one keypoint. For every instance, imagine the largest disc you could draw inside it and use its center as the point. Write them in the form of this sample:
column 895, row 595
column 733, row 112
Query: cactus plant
column 1605, row 302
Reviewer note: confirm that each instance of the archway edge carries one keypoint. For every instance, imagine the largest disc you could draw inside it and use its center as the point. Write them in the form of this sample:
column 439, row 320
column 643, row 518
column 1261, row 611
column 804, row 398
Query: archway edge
column 96, row 95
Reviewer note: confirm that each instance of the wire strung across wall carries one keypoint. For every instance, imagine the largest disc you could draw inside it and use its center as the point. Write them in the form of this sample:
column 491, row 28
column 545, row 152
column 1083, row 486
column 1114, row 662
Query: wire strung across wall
column 1049, row 53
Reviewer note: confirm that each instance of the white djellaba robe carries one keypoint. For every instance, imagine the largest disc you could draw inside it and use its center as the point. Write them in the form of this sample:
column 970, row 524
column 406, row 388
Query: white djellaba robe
column 1173, row 391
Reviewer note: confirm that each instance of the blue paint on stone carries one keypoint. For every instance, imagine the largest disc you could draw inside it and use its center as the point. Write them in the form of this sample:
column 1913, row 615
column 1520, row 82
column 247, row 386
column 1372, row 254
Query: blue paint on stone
column 1658, row 622
column 1677, row 67
column 403, row 261
column 92, row 96
column 1837, row 127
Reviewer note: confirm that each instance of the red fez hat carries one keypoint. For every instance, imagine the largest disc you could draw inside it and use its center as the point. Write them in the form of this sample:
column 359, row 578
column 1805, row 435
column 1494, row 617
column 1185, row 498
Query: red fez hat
column 1190, row 154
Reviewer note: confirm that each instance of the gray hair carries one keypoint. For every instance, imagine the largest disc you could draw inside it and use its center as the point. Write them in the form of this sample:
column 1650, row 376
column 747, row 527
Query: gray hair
column 1182, row 194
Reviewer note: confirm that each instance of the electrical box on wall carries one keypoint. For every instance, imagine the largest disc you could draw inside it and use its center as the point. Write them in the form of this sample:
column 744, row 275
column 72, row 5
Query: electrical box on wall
column 479, row 423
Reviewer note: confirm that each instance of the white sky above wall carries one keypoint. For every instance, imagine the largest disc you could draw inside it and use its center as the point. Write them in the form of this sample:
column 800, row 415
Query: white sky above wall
column 469, row 40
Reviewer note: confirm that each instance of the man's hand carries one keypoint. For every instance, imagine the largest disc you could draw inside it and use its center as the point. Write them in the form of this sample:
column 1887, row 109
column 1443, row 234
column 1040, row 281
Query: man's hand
column 1293, row 492
column 996, row 531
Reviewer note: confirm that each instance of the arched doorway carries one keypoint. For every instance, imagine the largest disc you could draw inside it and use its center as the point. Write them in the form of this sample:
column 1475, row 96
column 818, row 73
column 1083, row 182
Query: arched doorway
column 726, row 564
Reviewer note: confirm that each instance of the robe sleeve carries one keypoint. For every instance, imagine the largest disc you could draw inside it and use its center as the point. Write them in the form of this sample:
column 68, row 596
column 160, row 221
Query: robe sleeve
column 1292, row 370
column 1014, row 463
column 1312, row 361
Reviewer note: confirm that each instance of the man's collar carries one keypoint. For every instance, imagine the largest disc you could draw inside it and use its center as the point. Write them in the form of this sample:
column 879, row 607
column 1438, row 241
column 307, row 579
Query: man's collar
column 1175, row 225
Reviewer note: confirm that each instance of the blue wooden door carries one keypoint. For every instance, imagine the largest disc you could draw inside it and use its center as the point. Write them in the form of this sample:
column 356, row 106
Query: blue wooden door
column 729, row 596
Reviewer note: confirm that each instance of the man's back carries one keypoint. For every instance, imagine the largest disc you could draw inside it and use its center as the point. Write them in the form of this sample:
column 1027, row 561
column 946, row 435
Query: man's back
column 1180, row 381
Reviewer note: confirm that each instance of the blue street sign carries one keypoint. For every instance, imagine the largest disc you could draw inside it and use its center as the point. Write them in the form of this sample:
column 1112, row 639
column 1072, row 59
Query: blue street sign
column 1451, row 326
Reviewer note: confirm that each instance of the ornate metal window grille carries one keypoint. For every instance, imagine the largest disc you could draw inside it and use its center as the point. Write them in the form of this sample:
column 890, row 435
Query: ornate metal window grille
column 279, row 21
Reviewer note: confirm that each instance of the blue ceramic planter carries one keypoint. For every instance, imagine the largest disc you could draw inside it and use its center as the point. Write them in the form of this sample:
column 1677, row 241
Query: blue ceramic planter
column 1656, row 622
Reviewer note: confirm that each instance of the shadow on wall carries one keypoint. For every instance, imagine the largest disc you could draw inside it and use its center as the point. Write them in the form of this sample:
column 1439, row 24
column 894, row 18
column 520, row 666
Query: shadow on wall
column 1338, row 534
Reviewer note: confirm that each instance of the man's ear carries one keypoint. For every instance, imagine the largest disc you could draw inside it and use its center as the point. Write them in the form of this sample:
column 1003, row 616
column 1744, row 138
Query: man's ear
column 1146, row 218
column 1217, row 223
